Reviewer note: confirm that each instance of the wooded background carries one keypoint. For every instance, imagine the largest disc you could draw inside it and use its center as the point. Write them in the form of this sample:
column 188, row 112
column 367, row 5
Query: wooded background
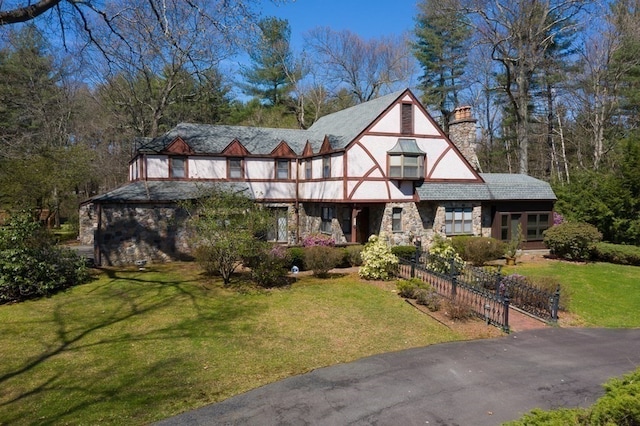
column 554, row 85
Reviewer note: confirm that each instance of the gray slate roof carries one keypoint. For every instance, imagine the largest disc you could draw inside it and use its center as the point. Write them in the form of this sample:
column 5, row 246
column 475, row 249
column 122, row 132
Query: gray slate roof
column 497, row 186
column 165, row 191
column 341, row 128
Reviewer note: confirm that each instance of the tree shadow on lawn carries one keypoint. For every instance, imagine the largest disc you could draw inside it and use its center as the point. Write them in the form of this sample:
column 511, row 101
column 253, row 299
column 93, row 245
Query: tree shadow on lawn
column 96, row 339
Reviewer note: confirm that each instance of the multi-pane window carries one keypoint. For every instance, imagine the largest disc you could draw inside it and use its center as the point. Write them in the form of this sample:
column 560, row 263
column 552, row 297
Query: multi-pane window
column 406, row 166
column 458, row 220
column 326, row 167
column 280, row 229
column 282, row 169
column 236, row 169
column 537, row 223
column 307, row 168
column 178, row 167
column 396, row 219
column 326, row 217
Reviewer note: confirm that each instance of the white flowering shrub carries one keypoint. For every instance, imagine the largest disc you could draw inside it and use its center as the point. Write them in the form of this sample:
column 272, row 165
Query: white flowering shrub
column 442, row 255
column 378, row 263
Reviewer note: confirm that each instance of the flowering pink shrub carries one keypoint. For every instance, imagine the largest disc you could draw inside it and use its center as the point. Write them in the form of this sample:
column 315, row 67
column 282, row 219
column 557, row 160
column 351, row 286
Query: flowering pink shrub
column 321, row 240
column 557, row 218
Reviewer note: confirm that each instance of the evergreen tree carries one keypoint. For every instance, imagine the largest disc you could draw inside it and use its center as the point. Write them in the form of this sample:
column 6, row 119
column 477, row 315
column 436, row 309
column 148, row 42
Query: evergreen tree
column 270, row 77
column 443, row 36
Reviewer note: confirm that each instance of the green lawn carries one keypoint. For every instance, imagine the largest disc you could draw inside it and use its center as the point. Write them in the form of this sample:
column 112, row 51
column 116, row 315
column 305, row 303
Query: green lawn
column 133, row 347
column 602, row 294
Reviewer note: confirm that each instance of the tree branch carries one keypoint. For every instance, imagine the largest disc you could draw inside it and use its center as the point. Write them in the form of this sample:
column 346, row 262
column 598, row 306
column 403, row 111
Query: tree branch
column 27, row 13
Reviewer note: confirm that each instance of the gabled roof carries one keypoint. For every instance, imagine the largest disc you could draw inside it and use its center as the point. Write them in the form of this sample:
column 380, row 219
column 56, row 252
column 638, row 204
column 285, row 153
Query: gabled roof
column 344, row 126
column 338, row 129
column 496, row 187
column 165, row 191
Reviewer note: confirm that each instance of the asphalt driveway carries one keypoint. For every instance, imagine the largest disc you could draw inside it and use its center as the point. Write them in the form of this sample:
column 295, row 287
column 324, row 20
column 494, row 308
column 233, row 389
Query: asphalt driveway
column 484, row 382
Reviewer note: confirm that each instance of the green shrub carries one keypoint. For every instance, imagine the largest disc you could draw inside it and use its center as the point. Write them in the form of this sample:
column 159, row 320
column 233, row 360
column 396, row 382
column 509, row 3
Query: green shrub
column 617, row 253
column 404, row 252
column 296, row 257
column 428, row 297
column 270, row 266
column 459, row 244
column 408, row 288
column 322, row 259
column 31, row 265
column 620, row 404
column 561, row 416
column 354, row 254
column 573, row 241
column 480, row 250
column 378, row 261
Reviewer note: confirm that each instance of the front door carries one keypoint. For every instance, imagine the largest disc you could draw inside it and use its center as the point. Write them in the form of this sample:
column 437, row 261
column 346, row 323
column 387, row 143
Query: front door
column 509, row 223
column 362, row 220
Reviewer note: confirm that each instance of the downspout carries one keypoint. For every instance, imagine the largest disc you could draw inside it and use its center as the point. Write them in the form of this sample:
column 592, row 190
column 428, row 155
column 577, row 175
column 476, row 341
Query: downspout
column 297, row 202
column 97, row 255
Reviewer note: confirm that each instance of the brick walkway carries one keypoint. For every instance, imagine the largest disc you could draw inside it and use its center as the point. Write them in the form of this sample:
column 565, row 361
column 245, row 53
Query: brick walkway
column 523, row 322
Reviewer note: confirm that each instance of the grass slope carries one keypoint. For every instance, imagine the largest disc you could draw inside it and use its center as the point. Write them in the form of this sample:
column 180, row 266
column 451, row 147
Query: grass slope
column 133, row 347
column 602, row 294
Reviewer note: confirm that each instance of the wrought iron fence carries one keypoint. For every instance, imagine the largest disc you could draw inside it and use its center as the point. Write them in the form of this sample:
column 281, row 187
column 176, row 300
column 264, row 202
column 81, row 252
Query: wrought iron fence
column 485, row 290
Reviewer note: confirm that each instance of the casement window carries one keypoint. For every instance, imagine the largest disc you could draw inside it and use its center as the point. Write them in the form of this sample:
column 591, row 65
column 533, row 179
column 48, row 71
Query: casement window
column 178, row 167
column 406, row 160
column 326, row 167
column 282, row 168
column 308, row 171
column 396, row 219
column 406, row 119
column 280, row 229
column 236, row 168
column 326, row 218
column 537, row 223
column 458, row 221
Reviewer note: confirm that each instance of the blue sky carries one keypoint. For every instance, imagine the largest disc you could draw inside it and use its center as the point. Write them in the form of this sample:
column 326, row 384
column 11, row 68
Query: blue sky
column 367, row 18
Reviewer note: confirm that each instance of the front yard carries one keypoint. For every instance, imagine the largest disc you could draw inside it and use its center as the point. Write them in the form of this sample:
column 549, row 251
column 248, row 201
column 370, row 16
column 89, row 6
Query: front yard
column 133, row 346
column 136, row 346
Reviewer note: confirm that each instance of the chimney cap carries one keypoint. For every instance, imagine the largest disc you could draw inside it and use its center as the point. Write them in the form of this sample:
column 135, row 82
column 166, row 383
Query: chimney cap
column 463, row 113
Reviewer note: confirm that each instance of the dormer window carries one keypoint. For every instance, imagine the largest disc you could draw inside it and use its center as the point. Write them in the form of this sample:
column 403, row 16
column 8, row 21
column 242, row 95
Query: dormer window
column 406, row 160
column 178, row 167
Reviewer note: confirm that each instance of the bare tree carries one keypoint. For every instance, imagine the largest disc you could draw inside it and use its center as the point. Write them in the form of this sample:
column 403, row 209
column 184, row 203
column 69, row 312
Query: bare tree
column 365, row 67
column 521, row 33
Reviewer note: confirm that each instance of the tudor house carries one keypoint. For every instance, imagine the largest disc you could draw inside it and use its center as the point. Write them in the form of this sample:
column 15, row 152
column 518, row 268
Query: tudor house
column 381, row 166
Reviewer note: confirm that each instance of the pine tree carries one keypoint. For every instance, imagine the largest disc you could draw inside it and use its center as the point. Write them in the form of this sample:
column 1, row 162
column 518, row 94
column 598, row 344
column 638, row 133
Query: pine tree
column 442, row 45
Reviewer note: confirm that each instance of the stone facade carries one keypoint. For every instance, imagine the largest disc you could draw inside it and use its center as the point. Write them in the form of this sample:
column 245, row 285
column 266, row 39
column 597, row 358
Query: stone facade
column 462, row 132
column 132, row 232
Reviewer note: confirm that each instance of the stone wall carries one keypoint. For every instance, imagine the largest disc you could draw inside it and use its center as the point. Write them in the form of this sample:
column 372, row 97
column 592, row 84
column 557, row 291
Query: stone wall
column 134, row 232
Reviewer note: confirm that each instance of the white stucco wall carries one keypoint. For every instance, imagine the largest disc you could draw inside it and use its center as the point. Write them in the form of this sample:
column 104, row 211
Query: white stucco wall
column 207, row 168
column 157, row 166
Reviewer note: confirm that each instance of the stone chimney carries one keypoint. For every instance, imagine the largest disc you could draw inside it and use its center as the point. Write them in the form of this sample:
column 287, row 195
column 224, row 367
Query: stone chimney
column 462, row 132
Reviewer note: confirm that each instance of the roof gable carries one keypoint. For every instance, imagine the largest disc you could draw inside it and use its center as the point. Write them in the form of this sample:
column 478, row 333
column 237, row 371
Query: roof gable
column 178, row 146
column 283, row 150
column 235, row 148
